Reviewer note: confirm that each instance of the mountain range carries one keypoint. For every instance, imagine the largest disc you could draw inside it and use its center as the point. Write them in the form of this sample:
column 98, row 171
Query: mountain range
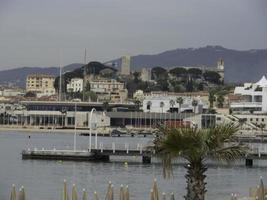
column 17, row 76
column 240, row 66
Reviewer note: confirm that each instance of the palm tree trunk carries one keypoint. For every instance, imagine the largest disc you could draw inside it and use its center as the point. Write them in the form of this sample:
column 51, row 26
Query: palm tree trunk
column 195, row 179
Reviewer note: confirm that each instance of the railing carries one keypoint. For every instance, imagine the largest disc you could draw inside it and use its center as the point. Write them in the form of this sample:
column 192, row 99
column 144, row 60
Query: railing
column 246, row 104
column 102, row 147
column 127, row 149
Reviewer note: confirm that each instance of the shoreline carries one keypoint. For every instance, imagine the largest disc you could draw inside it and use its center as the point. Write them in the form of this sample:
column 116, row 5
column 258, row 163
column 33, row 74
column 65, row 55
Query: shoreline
column 46, row 131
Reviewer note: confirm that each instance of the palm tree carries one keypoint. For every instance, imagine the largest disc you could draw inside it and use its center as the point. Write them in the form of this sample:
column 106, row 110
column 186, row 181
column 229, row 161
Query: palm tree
column 105, row 105
column 148, row 105
column 180, row 101
column 162, row 105
column 220, row 100
column 212, row 97
column 137, row 104
column 172, row 103
column 196, row 146
column 194, row 104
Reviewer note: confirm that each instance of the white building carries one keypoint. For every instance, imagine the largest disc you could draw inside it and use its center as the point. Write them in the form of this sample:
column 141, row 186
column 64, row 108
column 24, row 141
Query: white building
column 125, row 65
column 75, row 85
column 254, row 98
column 220, row 69
column 146, row 74
column 11, row 92
column 162, row 103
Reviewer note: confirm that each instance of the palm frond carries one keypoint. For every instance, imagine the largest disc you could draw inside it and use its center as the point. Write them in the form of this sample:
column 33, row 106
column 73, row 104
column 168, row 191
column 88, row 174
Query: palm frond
column 229, row 153
column 217, row 136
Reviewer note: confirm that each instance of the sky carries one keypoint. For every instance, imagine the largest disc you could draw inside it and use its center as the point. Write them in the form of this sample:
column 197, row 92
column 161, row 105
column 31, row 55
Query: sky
column 48, row 32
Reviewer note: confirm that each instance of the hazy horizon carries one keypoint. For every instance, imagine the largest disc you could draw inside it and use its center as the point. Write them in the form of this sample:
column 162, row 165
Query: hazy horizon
column 33, row 32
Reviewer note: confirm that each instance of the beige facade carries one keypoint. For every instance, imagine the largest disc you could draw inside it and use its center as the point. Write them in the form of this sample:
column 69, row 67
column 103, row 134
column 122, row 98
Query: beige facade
column 125, row 65
column 109, row 89
column 42, row 84
column 106, row 85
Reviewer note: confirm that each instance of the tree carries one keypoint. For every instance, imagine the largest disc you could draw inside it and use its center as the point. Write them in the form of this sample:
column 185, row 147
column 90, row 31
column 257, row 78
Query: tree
column 163, row 84
column 30, row 94
column 196, row 146
column 194, row 104
column 220, row 100
column 212, row 76
column 172, row 103
column 90, row 96
column 162, row 106
column 136, row 77
column 195, row 72
column 200, row 87
column 87, row 87
column 179, row 72
column 177, row 88
column 180, row 101
column 189, row 85
column 212, row 97
column 159, row 73
column 148, row 105
column 105, row 105
column 137, row 104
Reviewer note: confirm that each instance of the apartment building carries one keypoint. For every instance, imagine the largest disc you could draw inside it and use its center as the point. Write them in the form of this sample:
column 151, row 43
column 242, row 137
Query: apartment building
column 109, row 89
column 41, row 84
column 75, row 85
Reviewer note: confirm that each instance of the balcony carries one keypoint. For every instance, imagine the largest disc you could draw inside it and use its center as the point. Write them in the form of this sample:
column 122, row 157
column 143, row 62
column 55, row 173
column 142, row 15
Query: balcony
column 246, row 105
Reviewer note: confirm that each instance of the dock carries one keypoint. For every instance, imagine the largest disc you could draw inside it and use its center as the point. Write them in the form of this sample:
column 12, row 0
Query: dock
column 94, row 155
column 103, row 154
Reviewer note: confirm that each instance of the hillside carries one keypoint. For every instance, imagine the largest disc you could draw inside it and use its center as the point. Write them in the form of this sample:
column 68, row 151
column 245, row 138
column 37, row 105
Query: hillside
column 240, row 66
column 18, row 76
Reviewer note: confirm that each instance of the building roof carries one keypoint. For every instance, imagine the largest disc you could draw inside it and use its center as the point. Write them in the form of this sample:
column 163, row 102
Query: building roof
column 40, row 76
column 262, row 82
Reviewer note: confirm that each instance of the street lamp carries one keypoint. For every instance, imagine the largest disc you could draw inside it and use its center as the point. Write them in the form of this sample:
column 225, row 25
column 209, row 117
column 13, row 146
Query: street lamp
column 75, row 127
column 90, row 130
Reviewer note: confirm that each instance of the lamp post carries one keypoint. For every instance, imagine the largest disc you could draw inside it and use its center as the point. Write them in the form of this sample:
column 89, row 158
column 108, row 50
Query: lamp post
column 90, row 130
column 75, row 126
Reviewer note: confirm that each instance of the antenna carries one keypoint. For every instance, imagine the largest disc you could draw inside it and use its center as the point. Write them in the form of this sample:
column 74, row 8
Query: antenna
column 85, row 56
column 60, row 78
column 84, row 72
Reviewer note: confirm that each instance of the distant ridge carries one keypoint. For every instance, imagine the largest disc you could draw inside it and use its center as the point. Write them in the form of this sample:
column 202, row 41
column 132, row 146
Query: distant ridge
column 17, row 76
column 240, row 66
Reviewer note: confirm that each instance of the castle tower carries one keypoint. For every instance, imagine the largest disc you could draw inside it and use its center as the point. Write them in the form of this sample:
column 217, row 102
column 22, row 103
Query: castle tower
column 220, row 69
column 125, row 65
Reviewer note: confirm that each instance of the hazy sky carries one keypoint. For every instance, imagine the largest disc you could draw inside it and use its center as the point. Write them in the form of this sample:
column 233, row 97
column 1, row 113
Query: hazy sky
column 32, row 32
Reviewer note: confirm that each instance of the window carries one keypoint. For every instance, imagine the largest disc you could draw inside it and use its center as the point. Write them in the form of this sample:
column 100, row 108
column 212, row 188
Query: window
column 257, row 119
column 262, row 119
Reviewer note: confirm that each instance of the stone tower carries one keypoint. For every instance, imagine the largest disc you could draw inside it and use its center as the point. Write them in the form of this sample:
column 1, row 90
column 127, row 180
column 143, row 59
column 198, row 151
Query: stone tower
column 125, row 65
column 220, row 69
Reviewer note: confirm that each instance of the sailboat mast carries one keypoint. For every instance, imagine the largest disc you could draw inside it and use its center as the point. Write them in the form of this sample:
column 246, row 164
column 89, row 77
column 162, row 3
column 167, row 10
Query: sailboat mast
column 84, row 72
column 60, row 78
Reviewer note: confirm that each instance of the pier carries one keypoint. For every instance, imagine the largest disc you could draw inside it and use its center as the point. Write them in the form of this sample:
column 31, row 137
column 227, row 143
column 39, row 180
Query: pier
column 100, row 154
column 103, row 154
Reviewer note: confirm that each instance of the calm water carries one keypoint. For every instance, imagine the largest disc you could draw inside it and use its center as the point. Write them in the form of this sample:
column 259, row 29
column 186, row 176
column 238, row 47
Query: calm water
column 43, row 180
